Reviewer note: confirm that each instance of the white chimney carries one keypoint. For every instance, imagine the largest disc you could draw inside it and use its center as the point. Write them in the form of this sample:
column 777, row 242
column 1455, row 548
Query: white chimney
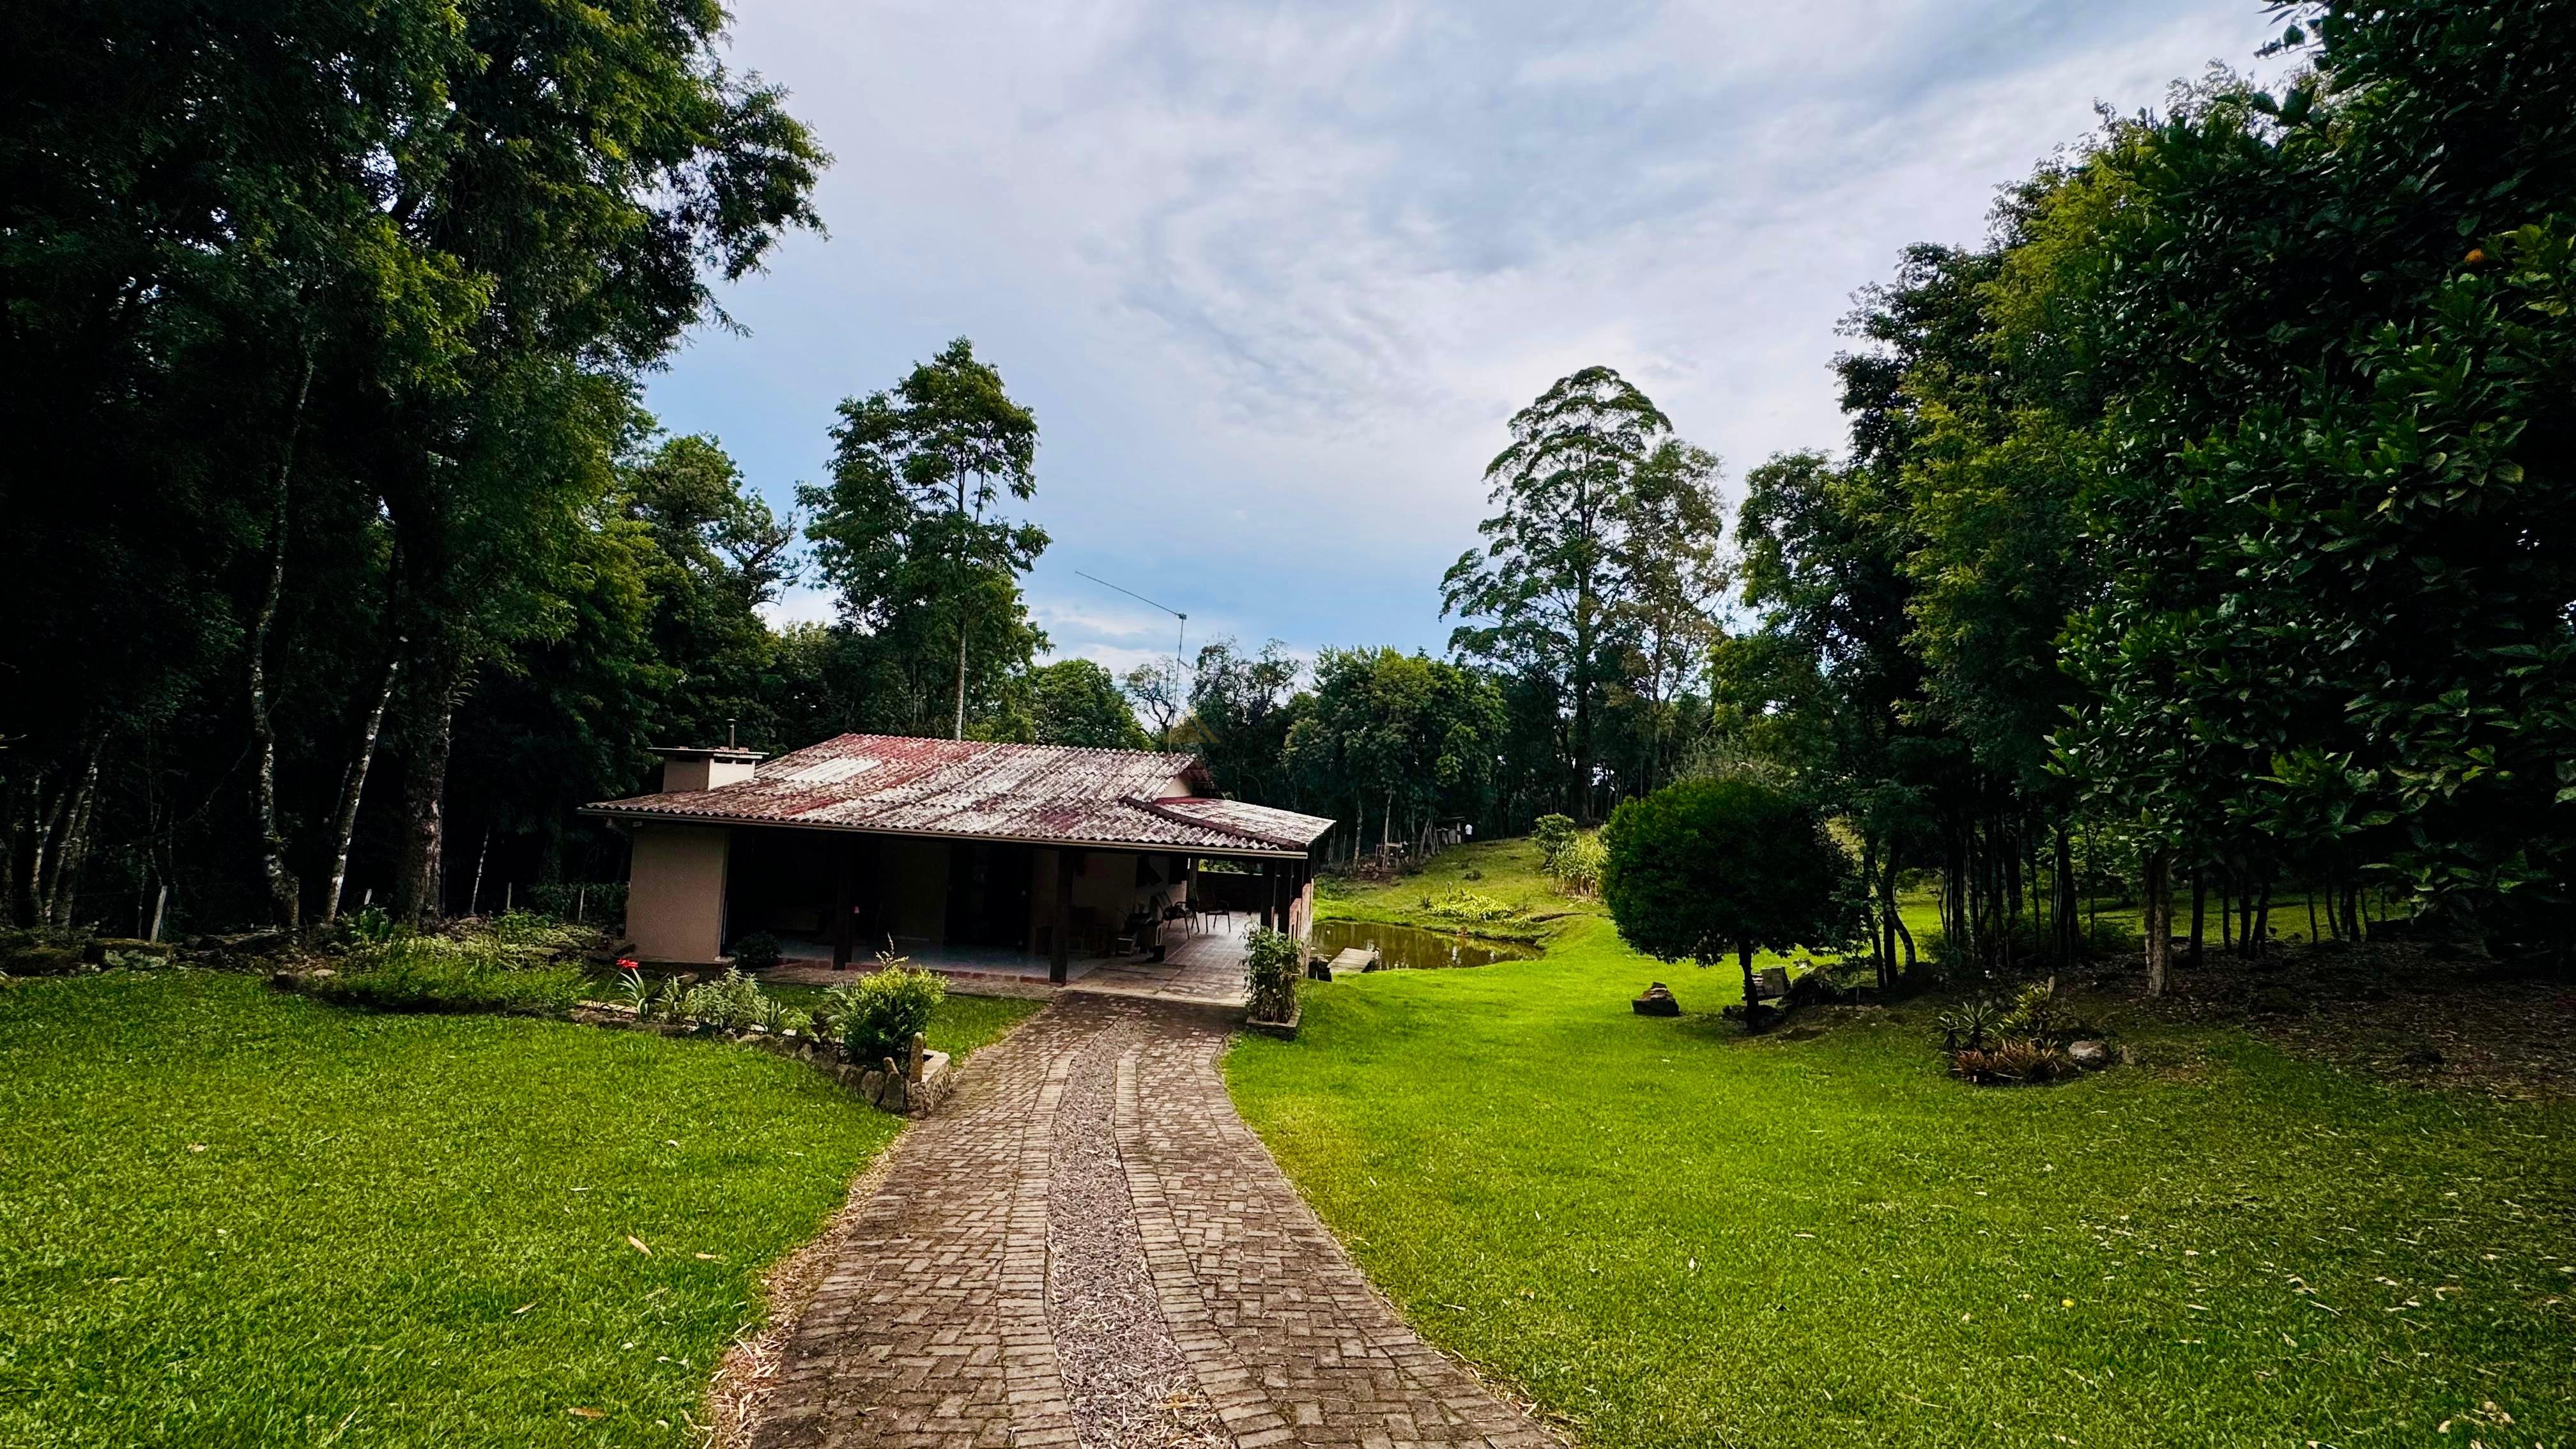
column 690, row 768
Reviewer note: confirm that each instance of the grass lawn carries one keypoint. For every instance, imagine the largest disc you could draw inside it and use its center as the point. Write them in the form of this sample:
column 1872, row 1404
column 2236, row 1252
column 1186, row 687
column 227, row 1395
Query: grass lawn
column 230, row 1216
column 1508, row 871
column 1675, row 1235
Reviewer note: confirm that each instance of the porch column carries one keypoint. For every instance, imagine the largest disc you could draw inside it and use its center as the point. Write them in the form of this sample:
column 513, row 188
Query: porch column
column 844, row 851
column 1062, row 954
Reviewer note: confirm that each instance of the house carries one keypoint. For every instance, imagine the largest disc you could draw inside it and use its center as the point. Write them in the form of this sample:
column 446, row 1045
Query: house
column 957, row 853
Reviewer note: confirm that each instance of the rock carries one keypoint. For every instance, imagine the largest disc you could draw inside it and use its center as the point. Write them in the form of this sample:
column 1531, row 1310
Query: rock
column 39, row 960
column 2092, row 1056
column 251, row 943
column 1658, row 1001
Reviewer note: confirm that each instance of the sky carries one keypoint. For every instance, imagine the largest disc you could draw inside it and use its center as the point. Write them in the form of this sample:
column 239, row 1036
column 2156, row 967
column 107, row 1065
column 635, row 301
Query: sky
column 1273, row 279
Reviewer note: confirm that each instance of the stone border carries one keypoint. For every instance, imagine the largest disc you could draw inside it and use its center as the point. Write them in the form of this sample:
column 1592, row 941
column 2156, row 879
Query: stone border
column 888, row 1086
column 915, row 1090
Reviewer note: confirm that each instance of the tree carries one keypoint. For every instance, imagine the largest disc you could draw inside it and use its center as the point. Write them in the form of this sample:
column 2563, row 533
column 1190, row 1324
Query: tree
column 1414, row 738
column 926, row 572
column 1160, row 693
column 908, row 524
column 384, row 274
column 1241, row 708
column 1664, row 623
column 1554, row 569
column 1708, row 867
column 1076, row 702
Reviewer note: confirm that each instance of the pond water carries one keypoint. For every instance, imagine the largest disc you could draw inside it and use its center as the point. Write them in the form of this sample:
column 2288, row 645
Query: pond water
column 1411, row 947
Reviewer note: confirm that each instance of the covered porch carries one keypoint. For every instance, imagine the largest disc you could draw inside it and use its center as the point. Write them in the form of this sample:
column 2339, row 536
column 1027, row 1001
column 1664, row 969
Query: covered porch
column 1000, row 911
column 1202, row 965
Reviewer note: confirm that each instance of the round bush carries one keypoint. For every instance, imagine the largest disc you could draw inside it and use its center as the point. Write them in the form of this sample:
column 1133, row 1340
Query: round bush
column 1708, row 868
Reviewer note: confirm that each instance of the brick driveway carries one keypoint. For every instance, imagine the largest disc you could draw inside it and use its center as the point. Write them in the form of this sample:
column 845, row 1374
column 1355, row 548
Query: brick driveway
column 1087, row 1247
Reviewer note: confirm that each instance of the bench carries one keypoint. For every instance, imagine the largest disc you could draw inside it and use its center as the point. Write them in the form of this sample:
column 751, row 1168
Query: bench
column 1762, row 989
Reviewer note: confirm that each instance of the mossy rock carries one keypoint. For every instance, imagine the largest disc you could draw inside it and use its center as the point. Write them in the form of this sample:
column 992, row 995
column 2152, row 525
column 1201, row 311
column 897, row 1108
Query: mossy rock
column 38, row 959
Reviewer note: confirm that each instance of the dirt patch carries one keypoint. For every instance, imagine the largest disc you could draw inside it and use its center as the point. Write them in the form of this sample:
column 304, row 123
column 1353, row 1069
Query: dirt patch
column 2424, row 1013
column 749, row 1369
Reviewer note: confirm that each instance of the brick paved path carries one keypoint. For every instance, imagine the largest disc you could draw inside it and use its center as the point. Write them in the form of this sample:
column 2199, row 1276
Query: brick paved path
column 943, row 1324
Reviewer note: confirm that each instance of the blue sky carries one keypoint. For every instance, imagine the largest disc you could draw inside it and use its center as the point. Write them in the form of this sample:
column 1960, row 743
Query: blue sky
column 1274, row 277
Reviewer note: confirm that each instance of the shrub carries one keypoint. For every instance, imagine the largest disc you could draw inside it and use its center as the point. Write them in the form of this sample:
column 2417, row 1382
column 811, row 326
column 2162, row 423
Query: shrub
column 731, row 1002
column 1970, row 1026
column 756, row 952
column 877, row 1016
column 527, row 930
column 583, row 902
column 1578, row 865
column 1272, row 962
column 437, row 973
column 1708, row 868
column 1551, row 834
column 370, row 926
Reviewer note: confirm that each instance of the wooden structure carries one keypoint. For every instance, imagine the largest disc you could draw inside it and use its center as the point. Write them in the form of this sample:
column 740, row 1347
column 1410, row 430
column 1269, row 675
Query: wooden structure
column 956, row 851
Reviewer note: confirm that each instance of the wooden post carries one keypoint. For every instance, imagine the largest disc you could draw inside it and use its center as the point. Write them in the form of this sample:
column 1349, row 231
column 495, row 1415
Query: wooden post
column 1061, row 955
column 843, row 935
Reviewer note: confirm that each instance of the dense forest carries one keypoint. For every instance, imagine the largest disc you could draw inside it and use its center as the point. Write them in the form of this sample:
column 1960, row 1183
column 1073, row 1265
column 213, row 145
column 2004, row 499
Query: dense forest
column 2201, row 537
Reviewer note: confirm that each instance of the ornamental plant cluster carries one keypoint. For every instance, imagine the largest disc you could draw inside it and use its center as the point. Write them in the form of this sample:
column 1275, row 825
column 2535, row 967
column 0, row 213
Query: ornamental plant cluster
column 1272, row 963
column 2011, row 1042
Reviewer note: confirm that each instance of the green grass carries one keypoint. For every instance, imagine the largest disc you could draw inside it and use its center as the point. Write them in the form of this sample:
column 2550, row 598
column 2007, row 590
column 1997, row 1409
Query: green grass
column 1509, row 871
column 231, row 1216
column 1673, row 1234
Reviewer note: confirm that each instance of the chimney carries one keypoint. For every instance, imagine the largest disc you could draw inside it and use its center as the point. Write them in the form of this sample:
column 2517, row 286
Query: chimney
column 690, row 768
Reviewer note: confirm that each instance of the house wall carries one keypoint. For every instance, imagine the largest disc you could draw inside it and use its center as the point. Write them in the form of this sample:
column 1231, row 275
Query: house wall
column 912, row 882
column 675, row 892
column 1104, row 887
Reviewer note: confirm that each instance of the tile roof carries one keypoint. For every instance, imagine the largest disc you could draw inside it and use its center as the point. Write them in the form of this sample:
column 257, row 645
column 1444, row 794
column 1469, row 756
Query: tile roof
column 899, row 785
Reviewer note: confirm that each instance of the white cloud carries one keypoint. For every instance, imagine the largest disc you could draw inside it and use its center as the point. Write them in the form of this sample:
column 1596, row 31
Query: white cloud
column 1274, row 277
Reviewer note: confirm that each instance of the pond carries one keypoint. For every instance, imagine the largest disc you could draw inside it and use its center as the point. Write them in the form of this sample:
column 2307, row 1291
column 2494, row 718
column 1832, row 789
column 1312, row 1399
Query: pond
column 1411, row 947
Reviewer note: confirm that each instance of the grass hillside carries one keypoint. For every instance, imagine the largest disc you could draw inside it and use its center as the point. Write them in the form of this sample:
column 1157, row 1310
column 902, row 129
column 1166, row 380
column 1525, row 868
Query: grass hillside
column 1672, row 1234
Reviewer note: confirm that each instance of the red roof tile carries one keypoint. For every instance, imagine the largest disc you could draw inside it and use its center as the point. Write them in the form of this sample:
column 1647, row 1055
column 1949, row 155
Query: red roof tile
column 899, row 785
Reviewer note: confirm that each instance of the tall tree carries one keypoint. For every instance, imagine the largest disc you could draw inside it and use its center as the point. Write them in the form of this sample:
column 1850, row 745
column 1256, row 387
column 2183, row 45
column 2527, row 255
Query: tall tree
column 908, row 532
column 1665, row 621
column 1554, row 568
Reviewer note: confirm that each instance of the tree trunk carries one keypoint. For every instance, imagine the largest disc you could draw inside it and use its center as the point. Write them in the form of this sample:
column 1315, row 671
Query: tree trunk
column 353, row 787
column 1583, row 607
column 419, row 895
column 2063, row 864
column 2199, row 905
column 960, row 731
column 62, row 891
column 474, row 896
column 2159, row 920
